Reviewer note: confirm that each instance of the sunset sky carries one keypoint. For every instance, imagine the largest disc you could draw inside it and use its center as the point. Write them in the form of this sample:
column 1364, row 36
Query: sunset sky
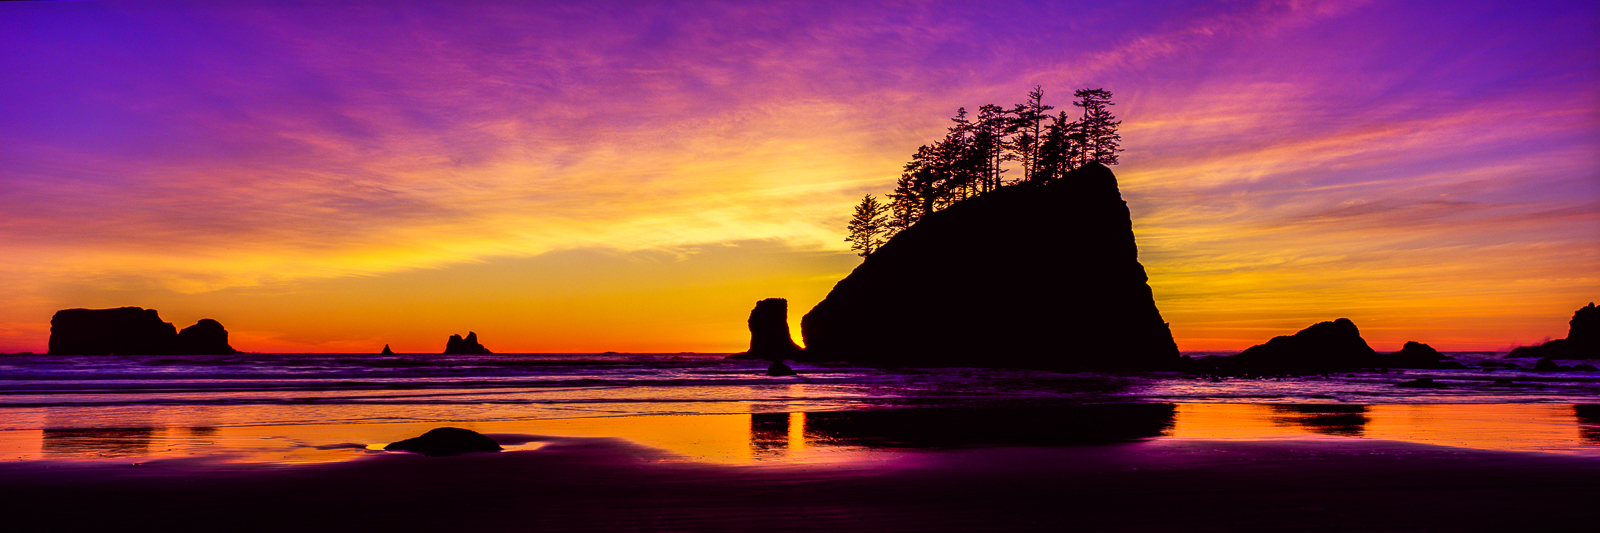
column 633, row 176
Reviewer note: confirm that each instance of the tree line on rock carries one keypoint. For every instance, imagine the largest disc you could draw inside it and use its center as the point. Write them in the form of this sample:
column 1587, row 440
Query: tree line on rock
column 978, row 151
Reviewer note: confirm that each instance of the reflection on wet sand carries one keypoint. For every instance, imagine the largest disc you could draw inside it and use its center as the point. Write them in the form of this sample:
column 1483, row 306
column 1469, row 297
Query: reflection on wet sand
column 1550, row 428
column 1027, row 426
column 107, row 442
column 845, row 436
column 1336, row 420
column 1588, row 423
column 769, row 434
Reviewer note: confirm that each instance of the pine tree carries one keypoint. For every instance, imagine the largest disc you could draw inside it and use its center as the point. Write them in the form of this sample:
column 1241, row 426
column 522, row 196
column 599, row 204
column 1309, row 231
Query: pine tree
column 1054, row 157
column 869, row 222
column 1101, row 142
column 1028, row 121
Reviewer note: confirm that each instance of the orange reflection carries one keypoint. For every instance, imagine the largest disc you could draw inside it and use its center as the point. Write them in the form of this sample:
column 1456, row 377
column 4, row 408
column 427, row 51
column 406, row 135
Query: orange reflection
column 726, row 439
column 1504, row 427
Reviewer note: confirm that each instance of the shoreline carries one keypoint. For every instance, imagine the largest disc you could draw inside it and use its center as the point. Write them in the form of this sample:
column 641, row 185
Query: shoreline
column 596, row 484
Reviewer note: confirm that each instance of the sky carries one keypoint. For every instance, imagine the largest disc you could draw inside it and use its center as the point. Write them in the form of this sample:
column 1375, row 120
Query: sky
column 634, row 176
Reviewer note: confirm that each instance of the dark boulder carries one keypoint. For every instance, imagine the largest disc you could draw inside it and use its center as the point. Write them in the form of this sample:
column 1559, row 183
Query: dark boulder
column 1026, row 276
column 387, row 351
column 1324, row 347
column 122, row 331
column 1546, row 365
column 206, row 337
column 446, row 441
column 468, row 346
column 1585, row 368
column 1418, row 355
column 779, row 369
column 1422, row 383
column 769, row 332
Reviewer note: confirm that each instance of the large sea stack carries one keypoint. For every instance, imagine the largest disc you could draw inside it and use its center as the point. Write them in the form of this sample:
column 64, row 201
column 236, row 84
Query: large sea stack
column 1026, row 276
column 123, row 331
column 769, row 332
column 132, row 331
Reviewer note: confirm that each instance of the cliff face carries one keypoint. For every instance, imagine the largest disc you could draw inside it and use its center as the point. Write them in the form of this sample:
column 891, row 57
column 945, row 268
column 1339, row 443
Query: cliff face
column 132, row 331
column 1042, row 277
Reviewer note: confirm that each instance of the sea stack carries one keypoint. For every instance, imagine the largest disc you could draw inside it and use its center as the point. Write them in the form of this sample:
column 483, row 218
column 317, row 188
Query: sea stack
column 468, row 346
column 387, row 351
column 206, row 337
column 132, row 331
column 1334, row 346
column 1026, row 276
column 769, row 332
column 1418, row 355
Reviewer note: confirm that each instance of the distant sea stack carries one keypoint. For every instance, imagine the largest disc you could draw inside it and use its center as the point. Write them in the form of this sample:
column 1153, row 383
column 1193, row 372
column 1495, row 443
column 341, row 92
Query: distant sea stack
column 1334, row 346
column 1582, row 342
column 769, row 332
column 1026, row 276
column 1418, row 355
column 468, row 346
column 132, row 331
column 387, row 351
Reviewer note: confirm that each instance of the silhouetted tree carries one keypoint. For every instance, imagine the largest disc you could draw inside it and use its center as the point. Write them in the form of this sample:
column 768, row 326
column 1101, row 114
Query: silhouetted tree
column 1099, row 128
column 1028, row 118
column 971, row 158
column 989, row 140
column 1057, row 151
column 869, row 222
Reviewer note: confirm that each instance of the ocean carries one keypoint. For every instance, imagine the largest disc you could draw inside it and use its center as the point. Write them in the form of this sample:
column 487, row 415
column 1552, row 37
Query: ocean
column 286, row 408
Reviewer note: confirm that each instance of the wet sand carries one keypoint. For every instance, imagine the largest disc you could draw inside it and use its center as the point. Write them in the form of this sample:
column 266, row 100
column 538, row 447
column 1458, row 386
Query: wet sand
column 608, row 484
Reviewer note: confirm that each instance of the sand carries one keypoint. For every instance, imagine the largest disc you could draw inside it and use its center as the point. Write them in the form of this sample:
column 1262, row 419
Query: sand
column 608, row 484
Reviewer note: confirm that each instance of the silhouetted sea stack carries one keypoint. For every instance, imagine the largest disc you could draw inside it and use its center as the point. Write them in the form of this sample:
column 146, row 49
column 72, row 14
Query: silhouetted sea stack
column 446, row 441
column 1582, row 342
column 1334, row 346
column 387, row 351
column 468, row 346
column 1026, row 276
column 206, row 337
column 131, row 331
column 1418, row 355
column 769, row 332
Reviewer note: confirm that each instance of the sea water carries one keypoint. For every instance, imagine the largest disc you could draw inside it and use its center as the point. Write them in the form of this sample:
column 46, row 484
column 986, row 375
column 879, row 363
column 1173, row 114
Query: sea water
column 314, row 407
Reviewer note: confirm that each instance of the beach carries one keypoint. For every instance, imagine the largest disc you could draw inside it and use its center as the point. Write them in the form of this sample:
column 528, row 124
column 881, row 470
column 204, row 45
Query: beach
column 600, row 484
column 666, row 442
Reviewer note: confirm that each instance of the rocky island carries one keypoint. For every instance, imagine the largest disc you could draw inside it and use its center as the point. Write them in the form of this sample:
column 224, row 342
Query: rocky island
column 464, row 346
column 132, row 331
column 1031, row 275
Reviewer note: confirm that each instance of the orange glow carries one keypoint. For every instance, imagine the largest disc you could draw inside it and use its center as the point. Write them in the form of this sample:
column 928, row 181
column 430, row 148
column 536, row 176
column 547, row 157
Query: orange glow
column 1503, row 427
column 725, row 439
